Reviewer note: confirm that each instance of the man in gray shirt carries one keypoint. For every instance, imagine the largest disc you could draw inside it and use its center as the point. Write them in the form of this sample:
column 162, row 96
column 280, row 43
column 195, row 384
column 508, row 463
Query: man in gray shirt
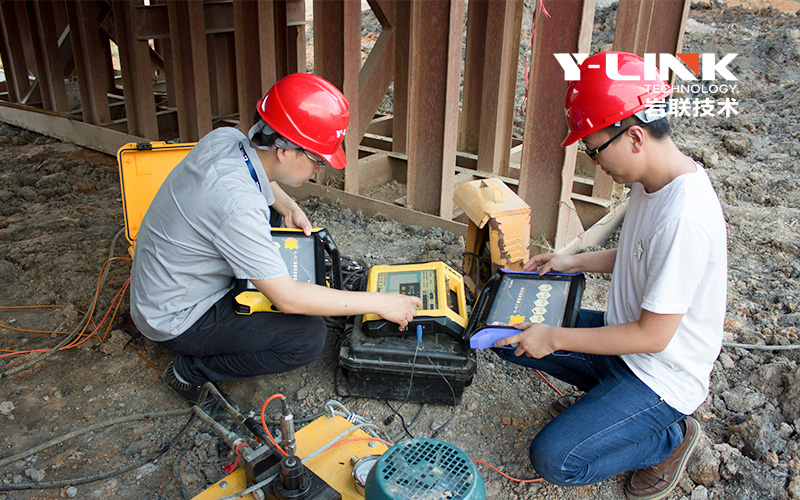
column 209, row 224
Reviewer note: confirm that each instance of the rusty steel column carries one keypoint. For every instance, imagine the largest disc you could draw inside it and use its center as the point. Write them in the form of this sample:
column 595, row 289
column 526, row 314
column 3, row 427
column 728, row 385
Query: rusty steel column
column 469, row 125
column 436, row 32
column 651, row 26
column 13, row 53
column 337, row 58
column 91, row 65
column 137, row 73
column 402, row 74
column 41, row 18
column 222, row 79
column 253, row 30
column 547, row 169
column 190, row 68
column 499, row 86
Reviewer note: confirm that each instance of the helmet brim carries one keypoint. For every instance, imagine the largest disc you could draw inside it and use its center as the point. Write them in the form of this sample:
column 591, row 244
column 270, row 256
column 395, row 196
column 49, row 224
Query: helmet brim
column 572, row 139
column 337, row 160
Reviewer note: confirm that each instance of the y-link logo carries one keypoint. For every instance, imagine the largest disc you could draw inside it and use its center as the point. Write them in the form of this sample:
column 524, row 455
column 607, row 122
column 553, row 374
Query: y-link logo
column 706, row 66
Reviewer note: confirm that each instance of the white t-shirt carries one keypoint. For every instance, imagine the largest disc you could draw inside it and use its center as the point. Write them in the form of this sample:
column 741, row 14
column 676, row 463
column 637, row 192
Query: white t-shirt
column 672, row 259
column 208, row 224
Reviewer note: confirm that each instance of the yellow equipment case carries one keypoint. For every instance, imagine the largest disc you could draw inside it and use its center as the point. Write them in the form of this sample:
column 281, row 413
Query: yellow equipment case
column 144, row 166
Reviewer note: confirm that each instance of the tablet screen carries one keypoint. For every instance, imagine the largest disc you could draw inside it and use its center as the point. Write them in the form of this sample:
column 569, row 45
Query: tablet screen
column 520, row 299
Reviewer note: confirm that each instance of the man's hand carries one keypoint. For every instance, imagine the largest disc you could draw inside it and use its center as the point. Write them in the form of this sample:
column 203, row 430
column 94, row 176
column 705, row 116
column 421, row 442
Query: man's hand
column 547, row 262
column 296, row 218
column 535, row 340
column 398, row 308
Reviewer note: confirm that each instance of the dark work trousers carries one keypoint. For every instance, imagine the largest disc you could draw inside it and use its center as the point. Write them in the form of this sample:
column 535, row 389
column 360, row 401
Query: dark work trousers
column 223, row 345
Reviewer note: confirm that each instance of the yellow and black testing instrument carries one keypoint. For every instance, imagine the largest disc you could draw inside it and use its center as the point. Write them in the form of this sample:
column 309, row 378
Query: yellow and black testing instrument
column 310, row 259
column 441, row 289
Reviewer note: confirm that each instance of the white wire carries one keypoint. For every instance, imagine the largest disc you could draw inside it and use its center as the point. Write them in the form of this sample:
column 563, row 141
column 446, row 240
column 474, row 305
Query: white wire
column 759, row 347
column 336, row 439
column 250, row 489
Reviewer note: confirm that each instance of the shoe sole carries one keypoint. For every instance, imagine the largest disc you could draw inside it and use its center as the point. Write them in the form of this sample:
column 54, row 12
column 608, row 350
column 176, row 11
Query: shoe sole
column 681, row 467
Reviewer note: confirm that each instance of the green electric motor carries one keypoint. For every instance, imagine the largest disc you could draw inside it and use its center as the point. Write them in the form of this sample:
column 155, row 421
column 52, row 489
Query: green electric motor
column 421, row 469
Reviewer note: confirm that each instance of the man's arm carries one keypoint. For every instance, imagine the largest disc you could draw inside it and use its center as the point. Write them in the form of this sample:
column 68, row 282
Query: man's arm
column 296, row 297
column 601, row 261
column 650, row 333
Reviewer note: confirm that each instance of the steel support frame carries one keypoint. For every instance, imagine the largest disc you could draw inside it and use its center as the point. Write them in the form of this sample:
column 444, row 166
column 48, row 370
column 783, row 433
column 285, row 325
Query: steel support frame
column 190, row 68
column 137, row 73
column 434, row 96
column 547, row 169
column 92, row 61
column 490, row 74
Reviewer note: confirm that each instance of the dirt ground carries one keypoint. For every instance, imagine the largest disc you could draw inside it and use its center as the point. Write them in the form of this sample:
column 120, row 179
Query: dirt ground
column 60, row 210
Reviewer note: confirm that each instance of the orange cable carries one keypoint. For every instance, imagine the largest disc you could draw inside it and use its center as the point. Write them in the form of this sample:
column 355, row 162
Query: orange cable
column 76, row 342
column 117, row 296
column 506, row 475
column 24, row 330
column 119, row 302
column 143, row 358
column 264, row 422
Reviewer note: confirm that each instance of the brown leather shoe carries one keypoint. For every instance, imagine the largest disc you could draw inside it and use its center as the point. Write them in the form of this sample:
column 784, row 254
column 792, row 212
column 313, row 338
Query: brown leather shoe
column 657, row 481
column 562, row 403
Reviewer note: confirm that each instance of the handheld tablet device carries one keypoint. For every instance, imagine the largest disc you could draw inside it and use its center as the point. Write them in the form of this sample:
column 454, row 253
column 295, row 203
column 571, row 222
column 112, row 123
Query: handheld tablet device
column 311, row 259
column 511, row 297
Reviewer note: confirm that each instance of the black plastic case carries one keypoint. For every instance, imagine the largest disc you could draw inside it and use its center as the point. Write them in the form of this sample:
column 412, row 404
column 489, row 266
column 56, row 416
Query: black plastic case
column 393, row 368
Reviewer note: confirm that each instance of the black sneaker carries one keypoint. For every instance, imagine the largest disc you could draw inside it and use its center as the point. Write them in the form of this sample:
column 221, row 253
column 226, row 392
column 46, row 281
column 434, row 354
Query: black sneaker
column 191, row 393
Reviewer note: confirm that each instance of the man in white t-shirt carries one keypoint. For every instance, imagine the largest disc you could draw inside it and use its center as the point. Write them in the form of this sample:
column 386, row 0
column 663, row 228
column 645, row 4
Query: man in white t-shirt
column 645, row 366
column 209, row 224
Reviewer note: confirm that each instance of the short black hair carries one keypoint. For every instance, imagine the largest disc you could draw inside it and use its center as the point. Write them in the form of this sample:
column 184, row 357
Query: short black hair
column 658, row 129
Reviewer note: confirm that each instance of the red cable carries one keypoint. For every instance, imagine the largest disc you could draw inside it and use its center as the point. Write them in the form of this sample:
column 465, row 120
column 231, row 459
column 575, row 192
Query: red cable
column 548, row 383
column 506, row 475
column 530, row 47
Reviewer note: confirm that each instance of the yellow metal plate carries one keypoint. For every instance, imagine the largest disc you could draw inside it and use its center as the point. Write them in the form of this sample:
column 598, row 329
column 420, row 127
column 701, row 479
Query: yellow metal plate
column 333, row 466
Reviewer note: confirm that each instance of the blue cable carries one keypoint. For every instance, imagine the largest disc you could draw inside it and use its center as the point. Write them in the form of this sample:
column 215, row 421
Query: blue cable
column 419, row 334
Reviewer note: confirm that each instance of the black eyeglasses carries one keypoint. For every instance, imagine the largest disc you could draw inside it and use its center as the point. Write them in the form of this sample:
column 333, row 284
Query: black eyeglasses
column 314, row 159
column 592, row 153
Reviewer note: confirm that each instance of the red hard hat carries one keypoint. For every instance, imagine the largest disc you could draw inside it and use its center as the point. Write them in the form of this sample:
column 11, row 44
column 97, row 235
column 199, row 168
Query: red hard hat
column 596, row 101
column 310, row 112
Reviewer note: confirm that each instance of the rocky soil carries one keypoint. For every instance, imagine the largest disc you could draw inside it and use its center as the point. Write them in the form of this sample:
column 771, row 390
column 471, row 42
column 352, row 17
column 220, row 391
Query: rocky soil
column 60, row 209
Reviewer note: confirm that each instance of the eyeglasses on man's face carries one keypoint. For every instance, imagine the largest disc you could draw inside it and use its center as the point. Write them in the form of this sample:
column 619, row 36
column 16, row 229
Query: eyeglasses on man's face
column 593, row 152
column 318, row 161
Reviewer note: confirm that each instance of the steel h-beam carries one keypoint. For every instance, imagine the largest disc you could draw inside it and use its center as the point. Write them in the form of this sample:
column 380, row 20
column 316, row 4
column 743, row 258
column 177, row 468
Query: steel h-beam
column 402, row 75
column 547, row 169
column 433, row 119
column 190, row 68
column 636, row 32
column 137, row 73
column 337, row 58
column 41, row 18
column 254, row 32
column 91, row 63
column 13, row 54
column 499, row 86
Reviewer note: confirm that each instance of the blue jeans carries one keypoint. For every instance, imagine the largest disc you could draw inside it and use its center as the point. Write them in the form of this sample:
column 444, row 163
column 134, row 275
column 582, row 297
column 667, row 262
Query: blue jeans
column 619, row 425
